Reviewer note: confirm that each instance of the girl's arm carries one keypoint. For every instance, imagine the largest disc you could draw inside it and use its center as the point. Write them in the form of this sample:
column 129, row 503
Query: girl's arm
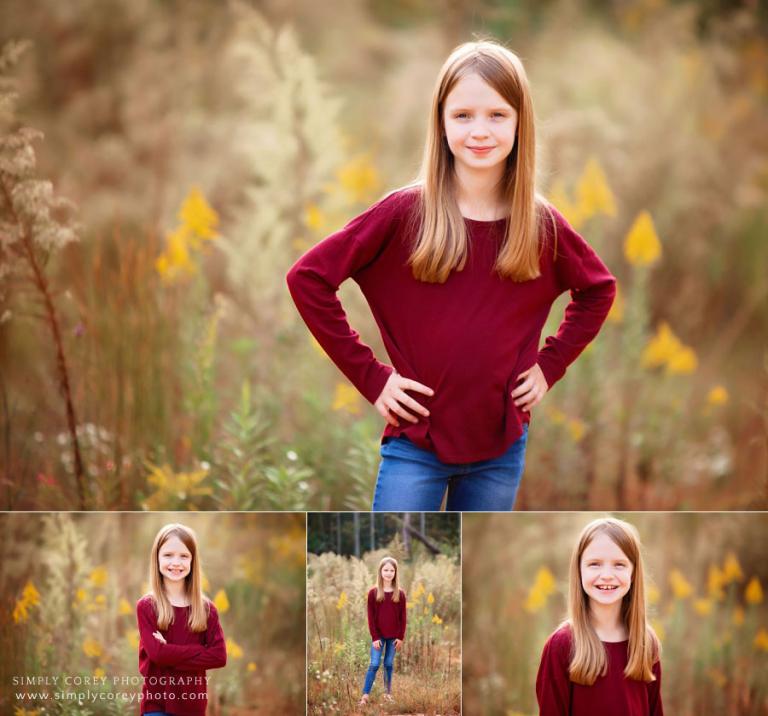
column 214, row 651
column 179, row 655
column 375, row 636
column 159, row 653
column 578, row 269
column 655, row 707
column 315, row 279
column 553, row 685
column 403, row 616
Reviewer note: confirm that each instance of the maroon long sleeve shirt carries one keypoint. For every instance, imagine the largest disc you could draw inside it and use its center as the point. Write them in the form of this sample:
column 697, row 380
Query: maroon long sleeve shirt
column 610, row 695
column 386, row 619
column 468, row 338
column 174, row 673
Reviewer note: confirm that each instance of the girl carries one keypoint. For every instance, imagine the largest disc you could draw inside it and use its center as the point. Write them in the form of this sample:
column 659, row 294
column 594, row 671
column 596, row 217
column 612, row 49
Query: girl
column 179, row 631
column 605, row 658
column 386, row 622
column 460, row 270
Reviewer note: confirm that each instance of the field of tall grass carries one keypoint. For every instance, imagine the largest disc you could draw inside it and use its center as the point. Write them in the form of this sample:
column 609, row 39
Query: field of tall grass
column 707, row 580
column 427, row 670
column 69, row 586
column 150, row 356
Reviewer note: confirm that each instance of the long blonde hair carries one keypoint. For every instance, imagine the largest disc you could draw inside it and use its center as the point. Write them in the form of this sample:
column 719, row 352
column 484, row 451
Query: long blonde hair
column 589, row 659
column 442, row 244
column 199, row 605
column 395, row 581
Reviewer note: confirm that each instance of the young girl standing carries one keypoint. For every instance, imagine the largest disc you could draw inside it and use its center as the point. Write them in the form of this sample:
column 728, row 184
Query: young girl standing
column 179, row 631
column 605, row 658
column 386, row 622
column 460, row 271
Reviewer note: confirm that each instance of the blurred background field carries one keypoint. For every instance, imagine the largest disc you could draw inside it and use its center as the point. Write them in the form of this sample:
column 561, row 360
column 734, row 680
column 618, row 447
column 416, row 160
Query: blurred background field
column 427, row 670
column 69, row 584
column 707, row 579
column 150, row 356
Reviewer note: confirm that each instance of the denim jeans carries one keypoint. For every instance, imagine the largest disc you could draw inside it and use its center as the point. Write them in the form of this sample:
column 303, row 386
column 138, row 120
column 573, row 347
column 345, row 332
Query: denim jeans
column 388, row 651
column 413, row 479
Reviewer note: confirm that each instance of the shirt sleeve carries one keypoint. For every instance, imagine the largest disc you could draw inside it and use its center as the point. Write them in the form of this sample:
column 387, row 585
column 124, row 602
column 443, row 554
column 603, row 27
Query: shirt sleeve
column 553, row 685
column 214, row 651
column 655, row 707
column 578, row 269
column 314, row 281
column 403, row 615
column 372, row 628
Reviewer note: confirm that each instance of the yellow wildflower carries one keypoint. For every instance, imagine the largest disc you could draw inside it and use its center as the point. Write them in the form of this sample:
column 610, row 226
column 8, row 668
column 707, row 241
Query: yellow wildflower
column 359, row 179
column 221, row 602
column 171, row 486
column 616, row 314
column 342, row 601
column 251, row 666
column 653, row 594
column 234, row 650
column 562, row 202
column 132, row 637
column 98, row 576
column 124, row 607
column 576, row 429
column 30, row 595
column 543, row 586
column 682, row 362
column 761, row 639
column 715, row 582
column 754, row 592
column 732, row 569
column 703, row 607
column 198, row 218
column 666, row 349
column 557, row 416
column 717, row 396
column 99, row 673
column 430, row 598
column 595, row 196
column 659, row 629
column 338, row 647
column 436, row 619
column 92, row 648
column 314, row 218
column 681, row 588
column 346, row 398
column 426, row 611
column 642, row 246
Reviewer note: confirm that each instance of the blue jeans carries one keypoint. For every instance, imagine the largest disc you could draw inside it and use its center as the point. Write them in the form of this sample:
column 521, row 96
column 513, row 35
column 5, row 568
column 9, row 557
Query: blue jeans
column 388, row 651
column 413, row 479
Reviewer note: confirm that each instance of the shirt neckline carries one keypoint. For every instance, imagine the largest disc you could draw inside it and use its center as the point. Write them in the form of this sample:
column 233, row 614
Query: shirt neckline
column 484, row 222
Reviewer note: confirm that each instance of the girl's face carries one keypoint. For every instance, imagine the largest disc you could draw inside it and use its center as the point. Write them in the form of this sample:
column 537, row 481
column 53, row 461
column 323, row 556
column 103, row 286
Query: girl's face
column 174, row 559
column 388, row 572
column 480, row 125
column 606, row 572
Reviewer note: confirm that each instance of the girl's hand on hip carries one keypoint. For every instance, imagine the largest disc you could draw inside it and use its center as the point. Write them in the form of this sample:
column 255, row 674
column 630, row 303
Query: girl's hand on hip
column 393, row 399
column 398, row 644
column 533, row 388
column 377, row 644
column 159, row 637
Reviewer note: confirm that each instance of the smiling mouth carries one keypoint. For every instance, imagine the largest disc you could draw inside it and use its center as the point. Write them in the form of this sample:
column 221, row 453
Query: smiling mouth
column 606, row 587
column 481, row 150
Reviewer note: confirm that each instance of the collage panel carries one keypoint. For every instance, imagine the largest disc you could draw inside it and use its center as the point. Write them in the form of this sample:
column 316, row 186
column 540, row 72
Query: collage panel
column 541, row 590
column 172, row 613
column 367, row 650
